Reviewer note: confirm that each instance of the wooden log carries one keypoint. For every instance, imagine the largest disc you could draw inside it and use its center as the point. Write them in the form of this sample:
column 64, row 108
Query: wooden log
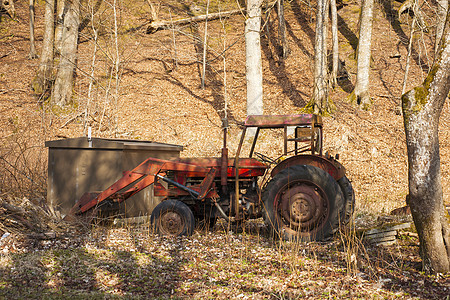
column 381, row 234
column 13, row 209
column 387, row 243
column 384, row 235
column 43, row 236
column 387, row 228
column 157, row 24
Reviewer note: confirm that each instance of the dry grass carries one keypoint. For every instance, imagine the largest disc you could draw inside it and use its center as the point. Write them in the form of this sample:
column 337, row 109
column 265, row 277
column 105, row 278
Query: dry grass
column 130, row 262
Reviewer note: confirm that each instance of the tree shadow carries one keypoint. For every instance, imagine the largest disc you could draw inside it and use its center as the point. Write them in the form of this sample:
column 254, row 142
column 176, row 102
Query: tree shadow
column 170, row 76
column 303, row 21
column 61, row 270
column 212, row 81
column 277, row 65
column 392, row 16
column 297, row 41
column 347, row 33
column 343, row 77
column 386, row 81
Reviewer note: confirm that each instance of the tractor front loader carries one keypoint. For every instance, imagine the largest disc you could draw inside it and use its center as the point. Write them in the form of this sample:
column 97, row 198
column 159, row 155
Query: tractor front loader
column 306, row 197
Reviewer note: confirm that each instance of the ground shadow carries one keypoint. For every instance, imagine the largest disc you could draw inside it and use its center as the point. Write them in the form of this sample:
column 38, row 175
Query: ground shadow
column 347, row 33
column 392, row 16
column 170, row 76
column 61, row 269
column 212, row 82
column 303, row 21
column 269, row 44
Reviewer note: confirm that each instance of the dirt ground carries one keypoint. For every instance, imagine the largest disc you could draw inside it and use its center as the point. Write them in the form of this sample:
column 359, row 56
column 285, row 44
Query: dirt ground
column 158, row 96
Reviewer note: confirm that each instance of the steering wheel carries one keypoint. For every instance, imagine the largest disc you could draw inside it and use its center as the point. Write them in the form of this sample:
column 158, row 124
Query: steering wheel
column 264, row 158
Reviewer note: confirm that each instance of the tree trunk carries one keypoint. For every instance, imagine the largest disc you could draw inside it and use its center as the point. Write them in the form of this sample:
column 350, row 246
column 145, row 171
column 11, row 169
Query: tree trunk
column 282, row 29
column 253, row 58
column 422, row 107
column 32, row 53
column 320, row 103
column 59, row 24
column 205, row 46
column 441, row 13
column 335, row 47
column 62, row 90
column 360, row 94
column 42, row 81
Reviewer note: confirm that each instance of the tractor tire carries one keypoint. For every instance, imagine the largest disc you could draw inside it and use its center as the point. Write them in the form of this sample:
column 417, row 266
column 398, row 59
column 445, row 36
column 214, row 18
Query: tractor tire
column 303, row 203
column 349, row 199
column 172, row 218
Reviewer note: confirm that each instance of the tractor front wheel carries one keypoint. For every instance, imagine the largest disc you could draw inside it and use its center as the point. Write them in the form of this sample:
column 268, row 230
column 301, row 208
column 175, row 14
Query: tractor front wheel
column 172, row 218
column 303, row 203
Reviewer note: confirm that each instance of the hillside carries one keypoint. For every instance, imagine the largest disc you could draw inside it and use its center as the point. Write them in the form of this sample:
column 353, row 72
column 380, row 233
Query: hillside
column 158, row 97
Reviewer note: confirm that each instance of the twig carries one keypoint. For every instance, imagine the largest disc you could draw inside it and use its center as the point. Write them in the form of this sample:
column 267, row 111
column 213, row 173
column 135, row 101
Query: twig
column 71, row 119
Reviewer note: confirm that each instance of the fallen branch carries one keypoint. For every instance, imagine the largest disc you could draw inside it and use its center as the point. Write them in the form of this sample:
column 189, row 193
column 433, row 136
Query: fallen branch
column 13, row 209
column 157, row 24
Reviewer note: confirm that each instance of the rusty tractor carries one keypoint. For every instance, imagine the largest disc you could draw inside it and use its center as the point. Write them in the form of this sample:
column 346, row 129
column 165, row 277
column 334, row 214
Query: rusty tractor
column 304, row 195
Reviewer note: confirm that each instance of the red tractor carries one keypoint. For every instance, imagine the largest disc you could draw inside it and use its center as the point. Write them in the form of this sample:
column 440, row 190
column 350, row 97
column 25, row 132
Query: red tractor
column 304, row 196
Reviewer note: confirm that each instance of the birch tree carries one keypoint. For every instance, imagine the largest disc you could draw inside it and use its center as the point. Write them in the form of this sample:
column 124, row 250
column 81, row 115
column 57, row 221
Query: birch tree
column 62, row 90
column 32, row 54
column 335, row 45
column 282, row 29
column 44, row 75
column 320, row 103
column 360, row 94
column 422, row 107
column 58, row 78
column 253, row 58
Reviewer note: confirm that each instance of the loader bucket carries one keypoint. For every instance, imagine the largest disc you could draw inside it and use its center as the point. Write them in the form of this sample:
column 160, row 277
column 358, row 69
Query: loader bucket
column 75, row 214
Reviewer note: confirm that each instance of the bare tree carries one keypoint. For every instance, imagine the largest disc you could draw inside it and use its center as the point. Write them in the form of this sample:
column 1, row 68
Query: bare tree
column 59, row 24
column 42, row 81
column 253, row 58
column 422, row 107
column 62, row 90
column 320, row 103
column 282, row 29
column 205, row 46
column 335, row 45
column 32, row 54
column 360, row 94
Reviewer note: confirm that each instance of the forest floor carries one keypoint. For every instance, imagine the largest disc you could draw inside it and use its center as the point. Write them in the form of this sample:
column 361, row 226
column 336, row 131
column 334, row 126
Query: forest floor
column 158, row 96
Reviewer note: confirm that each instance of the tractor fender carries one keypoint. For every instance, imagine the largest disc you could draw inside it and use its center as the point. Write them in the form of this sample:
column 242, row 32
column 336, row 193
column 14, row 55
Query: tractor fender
column 329, row 165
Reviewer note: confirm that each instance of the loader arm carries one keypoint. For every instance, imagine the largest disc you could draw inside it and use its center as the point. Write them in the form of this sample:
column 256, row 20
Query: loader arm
column 136, row 180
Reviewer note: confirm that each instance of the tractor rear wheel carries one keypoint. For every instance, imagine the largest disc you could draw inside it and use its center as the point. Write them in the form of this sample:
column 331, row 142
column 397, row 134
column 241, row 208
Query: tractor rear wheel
column 172, row 218
column 303, row 203
column 349, row 199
